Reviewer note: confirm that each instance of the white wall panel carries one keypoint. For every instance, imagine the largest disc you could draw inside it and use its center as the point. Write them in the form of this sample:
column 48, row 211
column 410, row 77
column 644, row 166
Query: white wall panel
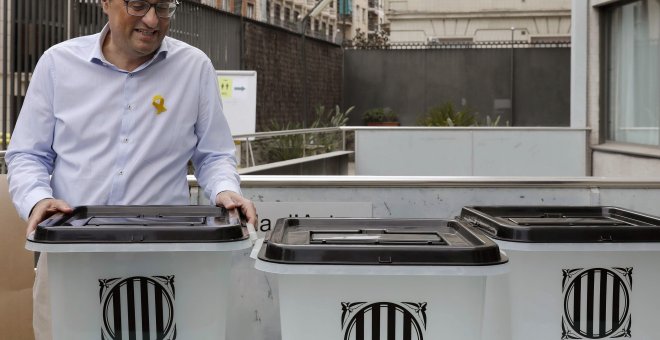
column 471, row 152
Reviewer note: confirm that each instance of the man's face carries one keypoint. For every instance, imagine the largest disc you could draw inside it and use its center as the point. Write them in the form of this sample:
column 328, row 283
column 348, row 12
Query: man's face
column 134, row 37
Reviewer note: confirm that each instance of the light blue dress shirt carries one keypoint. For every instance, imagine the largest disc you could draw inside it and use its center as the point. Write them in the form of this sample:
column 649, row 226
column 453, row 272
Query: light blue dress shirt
column 96, row 129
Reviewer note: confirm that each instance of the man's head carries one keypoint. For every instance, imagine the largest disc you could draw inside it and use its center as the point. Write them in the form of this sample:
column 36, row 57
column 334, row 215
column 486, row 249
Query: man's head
column 137, row 28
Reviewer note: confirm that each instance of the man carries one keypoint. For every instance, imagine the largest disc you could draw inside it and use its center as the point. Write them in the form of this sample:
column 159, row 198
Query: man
column 114, row 118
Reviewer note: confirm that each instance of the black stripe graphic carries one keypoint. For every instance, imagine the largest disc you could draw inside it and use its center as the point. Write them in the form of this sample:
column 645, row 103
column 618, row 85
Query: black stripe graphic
column 359, row 326
column 375, row 323
column 407, row 326
column 130, row 296
column 144, row 307
column 577, row 312
column 616, row 288
column 391, row 322
column 384, row 320
column 116, row 306
column 605, row 309
column 158, row 296
column 602, row 317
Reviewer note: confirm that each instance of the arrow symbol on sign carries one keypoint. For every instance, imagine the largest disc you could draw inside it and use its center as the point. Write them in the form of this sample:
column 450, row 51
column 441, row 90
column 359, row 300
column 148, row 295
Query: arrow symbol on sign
column 239, row 88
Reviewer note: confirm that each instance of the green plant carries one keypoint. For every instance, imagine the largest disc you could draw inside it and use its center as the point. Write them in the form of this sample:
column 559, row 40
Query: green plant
column 329, row 141
column 281, row 148
column 377, row 40
column 379, row 115
column 492, row 123
column 446, row 115
column 331, row 118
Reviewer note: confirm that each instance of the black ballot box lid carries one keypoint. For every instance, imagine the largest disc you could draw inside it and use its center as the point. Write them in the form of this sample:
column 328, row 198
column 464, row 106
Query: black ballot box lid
column 563, row 224
column 373, row 241
column 141, row 224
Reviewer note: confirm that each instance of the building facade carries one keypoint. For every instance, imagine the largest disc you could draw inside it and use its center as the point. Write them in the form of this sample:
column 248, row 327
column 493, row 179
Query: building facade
column 246, row 8
column 376, row 19
column 422, row 21
column 353, row 17
column 338, row 22
column 620, row 99
column 290, row 13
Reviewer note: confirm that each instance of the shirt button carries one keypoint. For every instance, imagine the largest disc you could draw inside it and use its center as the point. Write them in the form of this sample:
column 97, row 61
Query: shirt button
column 121, row 172
column 131, row 107
column 124, row 140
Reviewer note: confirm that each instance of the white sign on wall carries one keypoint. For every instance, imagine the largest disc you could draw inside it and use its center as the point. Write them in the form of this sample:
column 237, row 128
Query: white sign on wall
column 238, row 90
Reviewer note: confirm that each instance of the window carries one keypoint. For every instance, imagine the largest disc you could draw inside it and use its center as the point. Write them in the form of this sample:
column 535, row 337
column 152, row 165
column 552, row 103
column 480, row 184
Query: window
column 287, row 14
column 278, row 13
column 632, row 90
column 250, row 11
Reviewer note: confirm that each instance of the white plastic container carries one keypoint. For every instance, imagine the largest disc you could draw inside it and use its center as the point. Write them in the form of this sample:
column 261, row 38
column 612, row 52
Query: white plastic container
column 139, row 272
column 576, row 272
column 379, row 279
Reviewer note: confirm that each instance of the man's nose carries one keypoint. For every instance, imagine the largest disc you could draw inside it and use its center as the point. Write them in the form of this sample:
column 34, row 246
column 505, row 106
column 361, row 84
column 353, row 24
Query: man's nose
column 151, row 19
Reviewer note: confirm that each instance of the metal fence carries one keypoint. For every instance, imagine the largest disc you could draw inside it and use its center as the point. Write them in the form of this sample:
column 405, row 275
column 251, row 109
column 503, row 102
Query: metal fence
column 276, row 146
column 459, row 45
column 524, row 86
column 33, row 26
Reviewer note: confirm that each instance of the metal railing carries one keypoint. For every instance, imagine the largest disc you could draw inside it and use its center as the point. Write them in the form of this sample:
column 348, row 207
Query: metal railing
column 445, row 45
column 273, row 146
column 375, row 4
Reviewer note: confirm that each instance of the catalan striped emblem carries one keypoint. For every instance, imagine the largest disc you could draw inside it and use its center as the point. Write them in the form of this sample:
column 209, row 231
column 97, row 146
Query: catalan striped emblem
column 137, row 308
column 597, row 303
column 383, row 320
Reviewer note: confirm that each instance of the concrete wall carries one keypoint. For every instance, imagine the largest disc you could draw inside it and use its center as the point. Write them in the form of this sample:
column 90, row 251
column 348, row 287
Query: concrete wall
column 471, row 152
column 411, row 81
column 332, row 164
column 617, row 164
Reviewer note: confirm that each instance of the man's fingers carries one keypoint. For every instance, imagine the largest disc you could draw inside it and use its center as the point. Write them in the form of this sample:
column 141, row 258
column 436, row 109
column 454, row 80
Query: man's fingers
column 231, row 200
column 250, row 212
column 44, row 209
column 225, row 199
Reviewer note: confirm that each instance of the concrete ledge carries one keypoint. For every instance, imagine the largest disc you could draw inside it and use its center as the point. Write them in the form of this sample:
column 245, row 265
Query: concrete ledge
column 637, row 150
column 331, row 163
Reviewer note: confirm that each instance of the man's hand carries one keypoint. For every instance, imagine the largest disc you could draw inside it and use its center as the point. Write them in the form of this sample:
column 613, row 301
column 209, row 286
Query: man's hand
column 45, row 209
column 231, row 200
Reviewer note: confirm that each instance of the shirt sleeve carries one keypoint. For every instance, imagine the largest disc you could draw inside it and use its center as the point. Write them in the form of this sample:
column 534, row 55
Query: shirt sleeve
column 30, row 156
column 214, row 157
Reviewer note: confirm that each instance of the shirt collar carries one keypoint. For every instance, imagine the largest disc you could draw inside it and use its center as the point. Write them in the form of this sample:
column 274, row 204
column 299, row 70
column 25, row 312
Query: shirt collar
column 97, row 56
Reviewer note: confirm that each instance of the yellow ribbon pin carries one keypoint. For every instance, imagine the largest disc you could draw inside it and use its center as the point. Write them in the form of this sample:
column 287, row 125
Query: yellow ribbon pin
column 159, row 103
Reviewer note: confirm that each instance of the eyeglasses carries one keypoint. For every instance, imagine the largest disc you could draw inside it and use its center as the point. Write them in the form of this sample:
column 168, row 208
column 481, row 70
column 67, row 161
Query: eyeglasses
column 140, row 8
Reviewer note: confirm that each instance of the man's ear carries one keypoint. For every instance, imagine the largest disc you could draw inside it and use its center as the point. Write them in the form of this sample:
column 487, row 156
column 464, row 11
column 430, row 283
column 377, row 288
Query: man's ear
column 105, row 4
